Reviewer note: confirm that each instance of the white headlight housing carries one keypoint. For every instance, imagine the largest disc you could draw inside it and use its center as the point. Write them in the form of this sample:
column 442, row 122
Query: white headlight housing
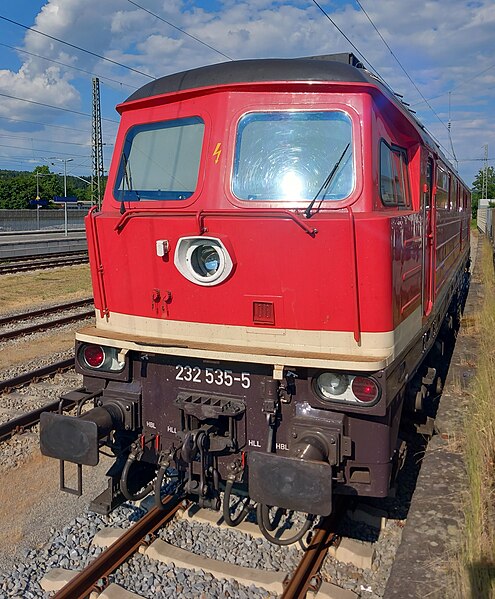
column 331, row 384
column 203, row 260
column 349, row 388
column 99, row 357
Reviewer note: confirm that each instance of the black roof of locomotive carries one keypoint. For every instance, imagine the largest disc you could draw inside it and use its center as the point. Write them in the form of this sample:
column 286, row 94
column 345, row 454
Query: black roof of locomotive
column 343, row 67
column 330, row 67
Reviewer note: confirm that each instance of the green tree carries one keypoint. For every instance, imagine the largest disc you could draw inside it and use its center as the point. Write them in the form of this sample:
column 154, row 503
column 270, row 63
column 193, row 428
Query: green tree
column 49, row 184
column 477, row 189
column 17, row 191
column 19, row 188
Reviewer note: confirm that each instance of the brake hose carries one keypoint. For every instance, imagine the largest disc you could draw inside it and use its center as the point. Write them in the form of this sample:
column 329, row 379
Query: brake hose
column 226, row 506
column 132, row 457
column 263, row 516
column 158, row 487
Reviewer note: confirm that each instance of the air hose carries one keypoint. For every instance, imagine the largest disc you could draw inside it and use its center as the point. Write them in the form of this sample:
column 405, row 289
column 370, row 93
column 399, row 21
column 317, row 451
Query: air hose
column 131, row 459
column 263, row 516
column 226, row 506
column 158, row 487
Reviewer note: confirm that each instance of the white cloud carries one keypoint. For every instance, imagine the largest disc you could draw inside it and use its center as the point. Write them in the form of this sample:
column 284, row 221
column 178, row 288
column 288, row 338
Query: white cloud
column 440, row 45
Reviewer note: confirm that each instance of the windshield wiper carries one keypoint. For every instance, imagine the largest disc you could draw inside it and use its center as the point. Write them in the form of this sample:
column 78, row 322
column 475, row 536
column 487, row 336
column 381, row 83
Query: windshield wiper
column 127, row 181
column 326, row 183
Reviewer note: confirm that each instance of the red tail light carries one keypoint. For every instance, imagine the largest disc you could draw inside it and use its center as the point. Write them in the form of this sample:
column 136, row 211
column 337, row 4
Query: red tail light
column 94, row 356
column 365, row 389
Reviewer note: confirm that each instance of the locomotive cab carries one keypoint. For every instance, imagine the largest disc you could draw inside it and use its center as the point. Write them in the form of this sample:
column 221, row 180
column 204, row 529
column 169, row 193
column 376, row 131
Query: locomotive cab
column 268, row 276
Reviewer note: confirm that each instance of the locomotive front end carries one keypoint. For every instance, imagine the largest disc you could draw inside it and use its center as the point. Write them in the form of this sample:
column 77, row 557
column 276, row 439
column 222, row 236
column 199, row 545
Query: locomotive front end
column 258, row 304
column 274, row 434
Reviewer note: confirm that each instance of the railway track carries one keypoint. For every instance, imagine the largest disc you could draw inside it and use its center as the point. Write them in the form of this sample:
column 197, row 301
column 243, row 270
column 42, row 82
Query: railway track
column 304, row 578
column 116, row 554
column 35, row 328
column 33, row 375
column 29, row 419
column 25, row 421
column 36, row 262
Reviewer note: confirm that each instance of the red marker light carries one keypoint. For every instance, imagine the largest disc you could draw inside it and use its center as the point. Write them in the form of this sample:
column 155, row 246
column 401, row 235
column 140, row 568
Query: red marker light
column 94, row 356
column 365, row 389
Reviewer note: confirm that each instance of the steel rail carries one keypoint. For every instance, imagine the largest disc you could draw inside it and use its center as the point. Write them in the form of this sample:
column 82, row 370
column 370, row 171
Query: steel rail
column 107, row 562
column 33, row 257
column 32, row 375
column 29, row 419
column 43, row 326
column 42, row 264
column 13, row 269
column 45, row 311
column 300, row 582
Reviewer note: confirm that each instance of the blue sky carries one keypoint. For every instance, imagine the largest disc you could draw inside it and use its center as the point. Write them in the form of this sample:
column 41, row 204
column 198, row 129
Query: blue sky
column 443, row 46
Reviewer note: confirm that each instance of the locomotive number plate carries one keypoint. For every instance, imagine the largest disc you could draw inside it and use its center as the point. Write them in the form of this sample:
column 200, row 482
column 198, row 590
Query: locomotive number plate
column 212, row 376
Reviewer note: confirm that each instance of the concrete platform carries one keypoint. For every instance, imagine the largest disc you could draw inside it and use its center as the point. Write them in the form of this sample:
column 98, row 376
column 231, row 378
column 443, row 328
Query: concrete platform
column 14, row 246
column 434, row 523
column 13, row 235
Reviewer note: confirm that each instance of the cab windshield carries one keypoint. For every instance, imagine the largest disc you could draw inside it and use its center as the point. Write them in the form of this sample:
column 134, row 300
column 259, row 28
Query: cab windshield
column 288, row 156
column 160, row 161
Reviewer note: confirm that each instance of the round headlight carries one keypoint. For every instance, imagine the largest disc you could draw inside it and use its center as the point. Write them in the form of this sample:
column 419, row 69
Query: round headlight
column 206, row 260
column 203, row 260
column 331, row 384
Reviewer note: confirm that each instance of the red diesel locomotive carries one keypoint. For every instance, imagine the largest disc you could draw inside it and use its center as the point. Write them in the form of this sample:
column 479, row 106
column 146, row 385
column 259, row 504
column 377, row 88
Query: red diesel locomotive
column 279, row 245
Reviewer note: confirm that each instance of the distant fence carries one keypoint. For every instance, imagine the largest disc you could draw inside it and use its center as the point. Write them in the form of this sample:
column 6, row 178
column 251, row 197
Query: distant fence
column 38, row 220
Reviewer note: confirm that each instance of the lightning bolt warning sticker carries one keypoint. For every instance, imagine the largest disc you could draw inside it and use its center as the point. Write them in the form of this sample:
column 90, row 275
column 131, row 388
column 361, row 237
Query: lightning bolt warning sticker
column 217, row 152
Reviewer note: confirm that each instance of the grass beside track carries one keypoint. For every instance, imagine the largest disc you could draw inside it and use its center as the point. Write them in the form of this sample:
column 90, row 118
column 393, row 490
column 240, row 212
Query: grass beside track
column 18, row 291
column 476, row 563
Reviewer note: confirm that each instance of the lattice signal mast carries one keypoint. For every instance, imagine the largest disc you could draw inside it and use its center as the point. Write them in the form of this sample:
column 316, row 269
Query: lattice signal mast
column 96, row 147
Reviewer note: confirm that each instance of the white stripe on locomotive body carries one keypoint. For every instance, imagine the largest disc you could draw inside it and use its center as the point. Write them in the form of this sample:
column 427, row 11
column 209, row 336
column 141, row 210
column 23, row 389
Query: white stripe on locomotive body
column 288, row 347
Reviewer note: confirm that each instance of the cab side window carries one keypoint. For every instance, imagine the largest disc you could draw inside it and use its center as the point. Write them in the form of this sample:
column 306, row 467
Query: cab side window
column 394, row 180
column 442, row 199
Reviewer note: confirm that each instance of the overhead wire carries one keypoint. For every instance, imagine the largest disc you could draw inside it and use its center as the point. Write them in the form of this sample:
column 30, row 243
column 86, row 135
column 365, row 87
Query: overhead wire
column 77, row 47
column 346, row 37
column 181, row 30
column 10, row 118
column 65, row 65
column 55, row 107
column 361, row 55
column 68, row 66
column 41, row 150
column 30, row 159
column 406, row 73
column 96, row 55
column 457, row 86
column 476, row 159
column 54, row 141
column 18, row 159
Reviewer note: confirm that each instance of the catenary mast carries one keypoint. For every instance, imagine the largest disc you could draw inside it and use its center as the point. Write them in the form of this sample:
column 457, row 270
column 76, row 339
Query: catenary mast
column 96, row 147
